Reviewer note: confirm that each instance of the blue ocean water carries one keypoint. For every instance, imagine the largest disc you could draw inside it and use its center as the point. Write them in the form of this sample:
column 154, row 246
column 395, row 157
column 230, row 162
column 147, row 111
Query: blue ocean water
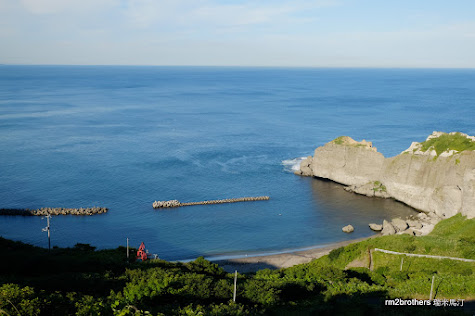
column 122, row 137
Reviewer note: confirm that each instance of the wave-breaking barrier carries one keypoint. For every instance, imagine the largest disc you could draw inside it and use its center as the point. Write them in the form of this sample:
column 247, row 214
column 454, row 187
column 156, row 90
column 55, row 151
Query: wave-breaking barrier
column 176, row 203
column 53, row 211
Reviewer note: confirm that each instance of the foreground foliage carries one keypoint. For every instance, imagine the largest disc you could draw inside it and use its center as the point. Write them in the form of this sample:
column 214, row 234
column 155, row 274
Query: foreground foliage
column 82, row 281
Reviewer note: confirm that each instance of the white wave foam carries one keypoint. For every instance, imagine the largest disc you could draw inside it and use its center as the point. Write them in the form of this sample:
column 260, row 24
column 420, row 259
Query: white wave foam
column 292, row 165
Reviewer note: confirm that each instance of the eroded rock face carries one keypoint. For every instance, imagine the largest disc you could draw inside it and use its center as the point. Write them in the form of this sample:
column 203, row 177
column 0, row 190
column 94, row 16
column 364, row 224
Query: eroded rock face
column 305, row 167
column 442, row 186
column 372, row 189
column 347, row 164
column 441, row 183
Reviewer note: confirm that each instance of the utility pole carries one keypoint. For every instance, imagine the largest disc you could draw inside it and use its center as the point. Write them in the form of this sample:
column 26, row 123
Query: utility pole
column 47, row 229
column 431, row 287
column 371, row 262
column 127, row 250
column 235, row 285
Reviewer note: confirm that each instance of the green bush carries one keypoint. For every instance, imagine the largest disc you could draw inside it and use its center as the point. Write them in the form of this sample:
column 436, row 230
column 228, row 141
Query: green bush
column 16, row 300
column 89, row 306
column 201, row 265
column 335, row 253
column 264, row 292
column 84, row 247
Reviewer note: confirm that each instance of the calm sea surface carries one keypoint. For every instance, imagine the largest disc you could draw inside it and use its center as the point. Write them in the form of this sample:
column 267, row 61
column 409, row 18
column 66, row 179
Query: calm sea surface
column 122, row 137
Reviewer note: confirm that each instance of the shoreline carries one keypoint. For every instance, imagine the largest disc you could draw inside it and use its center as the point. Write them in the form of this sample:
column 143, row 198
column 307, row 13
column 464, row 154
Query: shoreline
column 280, row 260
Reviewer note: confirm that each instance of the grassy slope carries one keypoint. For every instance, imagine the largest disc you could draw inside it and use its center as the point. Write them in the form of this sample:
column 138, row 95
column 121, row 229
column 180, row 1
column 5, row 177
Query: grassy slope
column 84, row 279
column 454, row 237
column 448, row 142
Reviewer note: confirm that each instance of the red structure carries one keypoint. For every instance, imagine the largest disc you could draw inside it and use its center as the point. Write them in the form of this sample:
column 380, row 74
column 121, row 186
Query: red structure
column 141, row 254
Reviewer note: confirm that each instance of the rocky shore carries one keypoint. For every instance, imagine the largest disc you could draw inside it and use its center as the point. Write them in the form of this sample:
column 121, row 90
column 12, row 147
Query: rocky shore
column 54, row 211
column 419, row 225
column 436, row 177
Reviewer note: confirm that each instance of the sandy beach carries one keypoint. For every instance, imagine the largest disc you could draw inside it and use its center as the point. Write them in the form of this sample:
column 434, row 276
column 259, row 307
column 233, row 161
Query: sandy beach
column 282, row 260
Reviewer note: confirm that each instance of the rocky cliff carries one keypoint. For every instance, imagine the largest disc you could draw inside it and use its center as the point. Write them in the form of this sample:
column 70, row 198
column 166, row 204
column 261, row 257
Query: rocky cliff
column 436, row 176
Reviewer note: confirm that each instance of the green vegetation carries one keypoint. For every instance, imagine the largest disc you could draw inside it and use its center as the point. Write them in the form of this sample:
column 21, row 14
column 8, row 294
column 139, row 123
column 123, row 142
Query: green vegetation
column 83, row 281
column 454, row 237
column 379, row 187
column 348, row 141
column 446, row 142
column 339, row 140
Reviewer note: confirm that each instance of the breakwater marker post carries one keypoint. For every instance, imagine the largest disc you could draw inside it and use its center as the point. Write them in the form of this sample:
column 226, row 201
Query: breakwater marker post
column 47, row 229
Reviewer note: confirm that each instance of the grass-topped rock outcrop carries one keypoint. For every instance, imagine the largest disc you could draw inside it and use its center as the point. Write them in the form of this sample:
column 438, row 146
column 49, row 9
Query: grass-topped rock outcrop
column 435, row 176
column 348, row 141
column 443, row 144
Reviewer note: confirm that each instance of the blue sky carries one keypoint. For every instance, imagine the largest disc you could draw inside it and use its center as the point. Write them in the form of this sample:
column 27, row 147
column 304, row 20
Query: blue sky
column 302, row 33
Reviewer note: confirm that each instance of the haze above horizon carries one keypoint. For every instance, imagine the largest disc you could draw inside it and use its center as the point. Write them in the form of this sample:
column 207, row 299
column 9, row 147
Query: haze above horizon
column 281, row 33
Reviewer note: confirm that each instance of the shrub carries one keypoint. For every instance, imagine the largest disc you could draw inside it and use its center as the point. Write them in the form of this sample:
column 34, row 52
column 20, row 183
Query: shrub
column 89, row 306
column 262, row 291
column 84, row 247
column 201, row 265
column 335, row 253
column 16, row 300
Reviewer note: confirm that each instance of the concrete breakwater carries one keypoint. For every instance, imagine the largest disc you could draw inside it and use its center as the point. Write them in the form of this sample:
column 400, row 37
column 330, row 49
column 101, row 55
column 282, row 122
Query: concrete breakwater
column 176, row 203
column 54, row 211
